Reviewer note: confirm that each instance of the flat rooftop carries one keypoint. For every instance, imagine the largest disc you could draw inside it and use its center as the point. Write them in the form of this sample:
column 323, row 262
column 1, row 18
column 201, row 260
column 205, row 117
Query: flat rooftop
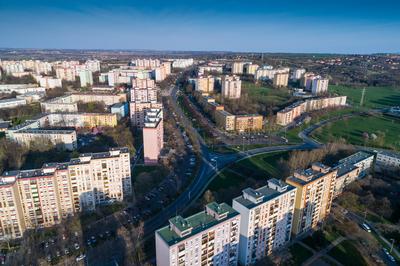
column 356, row 157
column 198, row 222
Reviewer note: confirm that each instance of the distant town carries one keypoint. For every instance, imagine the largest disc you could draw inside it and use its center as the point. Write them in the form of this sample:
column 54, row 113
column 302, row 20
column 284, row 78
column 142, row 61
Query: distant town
column 196, row 158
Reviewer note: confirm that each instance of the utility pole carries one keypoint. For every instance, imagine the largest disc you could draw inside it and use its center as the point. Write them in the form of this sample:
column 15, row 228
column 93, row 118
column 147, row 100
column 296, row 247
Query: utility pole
column 391, row 246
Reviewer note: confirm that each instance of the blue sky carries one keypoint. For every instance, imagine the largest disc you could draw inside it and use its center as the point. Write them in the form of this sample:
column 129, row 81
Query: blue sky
column 226, row 25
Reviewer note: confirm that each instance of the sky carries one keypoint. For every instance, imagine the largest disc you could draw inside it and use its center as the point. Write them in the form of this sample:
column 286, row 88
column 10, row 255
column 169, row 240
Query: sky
column 325, row 26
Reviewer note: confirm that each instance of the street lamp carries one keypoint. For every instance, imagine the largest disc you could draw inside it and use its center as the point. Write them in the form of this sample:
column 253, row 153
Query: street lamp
column 391, row 247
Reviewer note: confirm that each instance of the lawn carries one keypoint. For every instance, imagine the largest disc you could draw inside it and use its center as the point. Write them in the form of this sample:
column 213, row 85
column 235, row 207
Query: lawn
column 299, row 253
column 266, row 95
column 347, row 254
column 386, row 129
column 320, row 239
column 258, row 167
column 374, row 97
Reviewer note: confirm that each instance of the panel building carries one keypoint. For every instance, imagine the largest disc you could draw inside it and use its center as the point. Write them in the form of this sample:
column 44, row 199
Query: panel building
column 43, row 197
column 315, row 191
column 210, row 237
column 231, row 87
column 153, row 135
column 266, row 219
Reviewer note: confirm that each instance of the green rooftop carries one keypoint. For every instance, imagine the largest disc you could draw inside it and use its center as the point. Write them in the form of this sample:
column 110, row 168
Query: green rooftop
column 196, row 223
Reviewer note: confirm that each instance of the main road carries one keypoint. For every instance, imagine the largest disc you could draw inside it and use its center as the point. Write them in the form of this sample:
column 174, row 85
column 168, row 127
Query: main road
column 210, row 166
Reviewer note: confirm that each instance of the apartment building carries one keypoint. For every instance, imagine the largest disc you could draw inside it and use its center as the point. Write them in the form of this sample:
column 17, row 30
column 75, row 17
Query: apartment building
column 238, row 68
column 290, row 113
column 146, row 63
column 161, row 72
column 298, row 73
column 12, row 103
column 249, row 122
column 69, row 103
column 21, row 88
column 264, row 72
column 143, row 83
column 204, row 84
column 218, row 68
column 137, row 111
column 92, row 65
column 307, row 79
column 225, row 120
column 387, row 160
column 153, row 135
column 266, row 219
column 66, row 73
column 182, row 63
column 251, row 69
column 281, row 79
column 49, row 82
column 231, row 87
column 125, row 75
column 64, row 139
column 42, row 197
column 210, row 237
column 315, row 191
column 141, row 95
column 86, row 78
column 319, row 85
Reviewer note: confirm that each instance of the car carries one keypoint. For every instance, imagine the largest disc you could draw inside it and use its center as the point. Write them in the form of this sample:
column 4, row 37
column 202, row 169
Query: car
column 48, row 258
column 93, row 239
column 66, row 251
column 366, row 227
column 385, row 251
column 391, row 258
column 80, row 257
column 58, row 254
column 76, row 246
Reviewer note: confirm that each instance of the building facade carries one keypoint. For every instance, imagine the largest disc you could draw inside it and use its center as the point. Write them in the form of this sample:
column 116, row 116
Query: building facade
column 153, row 135
column 315, row 192
column 266, row 219
column 231, row 87
column 210, row 237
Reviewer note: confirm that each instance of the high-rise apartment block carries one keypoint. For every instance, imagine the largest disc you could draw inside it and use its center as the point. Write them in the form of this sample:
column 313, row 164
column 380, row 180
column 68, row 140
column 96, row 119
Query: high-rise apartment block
column 92, row 65
column 204, row 84
column 266, row 219
column 137, row 111
column 86, row 78
column 143, row 95
column 66, row 73
column 210, row 237
column 182, row 63
column 153, row 135
column 238, row 67
column 143, row 83
column 251, row 69
column 42, row 197
column 315, row 191
column 319, row 85
column 49, row 82
column 231, row 87
column 147, row 63
column 298, row 73
column 281, row 79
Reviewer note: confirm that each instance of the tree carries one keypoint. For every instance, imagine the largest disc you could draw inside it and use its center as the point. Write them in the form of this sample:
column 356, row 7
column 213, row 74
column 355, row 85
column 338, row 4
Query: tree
column 208, row 197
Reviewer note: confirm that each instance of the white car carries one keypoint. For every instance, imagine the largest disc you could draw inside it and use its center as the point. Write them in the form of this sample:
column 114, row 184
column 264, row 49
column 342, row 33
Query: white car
column 80, row 257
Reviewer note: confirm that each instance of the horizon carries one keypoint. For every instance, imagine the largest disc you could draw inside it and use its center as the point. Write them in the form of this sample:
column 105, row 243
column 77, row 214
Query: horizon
column 340, row 27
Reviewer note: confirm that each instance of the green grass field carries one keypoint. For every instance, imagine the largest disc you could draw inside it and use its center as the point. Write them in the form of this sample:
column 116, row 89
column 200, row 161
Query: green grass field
column 347, row 254
column 375, row 97
column 387, row 130
column 259, row 167
column 270, row 96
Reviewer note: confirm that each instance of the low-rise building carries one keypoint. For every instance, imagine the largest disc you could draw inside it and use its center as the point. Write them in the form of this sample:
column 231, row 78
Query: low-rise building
column 12, row 103
column 225, row 120
column 64, row 139
column 266, row 219
column 121, row 109
column 210, row 237
column 248, row 123
column 387, row 160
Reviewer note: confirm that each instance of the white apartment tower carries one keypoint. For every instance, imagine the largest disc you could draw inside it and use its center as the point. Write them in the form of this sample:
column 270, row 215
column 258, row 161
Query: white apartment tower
column 210, row 237
column 231, row 87
column 266, row 219
column 319, row 85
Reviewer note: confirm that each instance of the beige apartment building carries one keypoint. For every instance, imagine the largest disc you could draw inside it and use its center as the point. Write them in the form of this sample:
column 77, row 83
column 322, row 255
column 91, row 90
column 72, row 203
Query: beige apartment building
column 315, row 191
column 225, row 120
column 43, row 197
column 143, row 83
column 251, row 69
column 210, row 237
column 231, row 87
column 281, row 79
column 238, row 67
column 66, row 73
column 248, row 123
column 266, row 219
column 205, row 84
column 64, row 139
column 290, row 113
column 143, row 95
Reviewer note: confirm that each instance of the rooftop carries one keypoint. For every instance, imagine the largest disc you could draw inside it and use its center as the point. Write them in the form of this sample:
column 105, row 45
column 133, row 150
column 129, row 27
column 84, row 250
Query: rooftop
column 356, row 157
column 196, row 223
column 254, row 197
